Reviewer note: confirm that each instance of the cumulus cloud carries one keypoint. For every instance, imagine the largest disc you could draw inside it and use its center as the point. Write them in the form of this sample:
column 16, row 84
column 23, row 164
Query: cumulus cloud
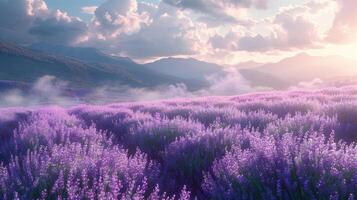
column 122, row 27
column 227, row 42
column 292, row 32
column 115, row 17
column 59, row 28
column 168, row 35
column 18, row 14
column 16, row 17
column 344, row 28
column 207, row 29
column 169, row 32
column 293, row 27
column 28, row 21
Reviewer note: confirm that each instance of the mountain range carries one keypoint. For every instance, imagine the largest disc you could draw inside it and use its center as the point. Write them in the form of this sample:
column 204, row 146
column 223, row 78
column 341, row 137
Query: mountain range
column 81, row 67
column 300, row 68
column 86, row 68
column 186, row 68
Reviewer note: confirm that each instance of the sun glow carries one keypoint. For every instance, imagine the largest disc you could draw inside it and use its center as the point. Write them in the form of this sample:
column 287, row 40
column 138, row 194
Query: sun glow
column 349, row 50
column 346, row 50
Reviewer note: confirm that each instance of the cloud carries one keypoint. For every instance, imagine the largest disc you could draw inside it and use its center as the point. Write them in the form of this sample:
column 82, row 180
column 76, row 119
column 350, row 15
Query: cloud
column 314, row 84
column 16, row 17
column 206, row 29
column 232, row 83
column 292, row 32
column 227, row 42
column 169, row 33
column 18, row 14
column 28, row 21
column 116, row 17
column 293, row 27
column 89, row 9
column 222, row 11
column 344, row 28
column 58, row 28
column 16, row 36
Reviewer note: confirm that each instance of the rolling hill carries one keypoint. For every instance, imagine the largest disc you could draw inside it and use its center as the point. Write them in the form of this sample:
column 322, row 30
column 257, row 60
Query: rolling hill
column 88, row 54
column 81, row 67
column 262, row 79
column 300, row 68
column 186, row 68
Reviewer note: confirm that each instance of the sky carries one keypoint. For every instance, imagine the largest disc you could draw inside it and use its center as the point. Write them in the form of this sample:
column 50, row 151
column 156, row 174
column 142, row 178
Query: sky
column 224, row 32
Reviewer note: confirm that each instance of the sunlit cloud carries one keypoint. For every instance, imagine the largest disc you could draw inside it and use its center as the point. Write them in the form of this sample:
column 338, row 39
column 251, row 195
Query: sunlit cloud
column 218, row 31
column 89, row 9
column 344, row 27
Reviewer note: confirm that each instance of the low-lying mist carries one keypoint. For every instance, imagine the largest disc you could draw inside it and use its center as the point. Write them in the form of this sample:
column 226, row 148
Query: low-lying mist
column 49, row 90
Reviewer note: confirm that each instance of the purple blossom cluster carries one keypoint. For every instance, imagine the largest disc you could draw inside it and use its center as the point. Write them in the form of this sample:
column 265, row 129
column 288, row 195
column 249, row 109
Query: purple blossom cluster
column 279, row 145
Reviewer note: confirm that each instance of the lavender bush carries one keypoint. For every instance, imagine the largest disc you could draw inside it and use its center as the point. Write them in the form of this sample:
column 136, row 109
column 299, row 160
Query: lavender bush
column 278, row 145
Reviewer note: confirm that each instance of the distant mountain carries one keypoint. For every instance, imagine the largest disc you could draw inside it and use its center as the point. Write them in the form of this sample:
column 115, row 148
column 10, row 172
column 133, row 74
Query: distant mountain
column 95, row 56
column 186, row 68
column 87, row 54
column 24, row 65
column 303, row 67
column 262, row 79
column 27, row 65
column 246, row 65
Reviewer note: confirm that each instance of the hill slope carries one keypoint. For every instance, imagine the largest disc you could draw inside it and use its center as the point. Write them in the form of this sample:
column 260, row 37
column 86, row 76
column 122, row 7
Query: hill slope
column 26, row 65
column 304, row 67
column 186, row 68
column 262, row 79
column 87, row 54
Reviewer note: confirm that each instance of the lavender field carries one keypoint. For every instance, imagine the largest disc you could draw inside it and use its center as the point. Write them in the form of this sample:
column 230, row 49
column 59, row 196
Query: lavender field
column 281, row 145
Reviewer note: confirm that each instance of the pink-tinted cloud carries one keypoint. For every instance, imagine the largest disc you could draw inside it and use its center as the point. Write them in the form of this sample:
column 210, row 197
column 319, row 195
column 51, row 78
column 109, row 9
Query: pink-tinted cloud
column 89, row 9
column 293, row 32
column 291, row 28
column 344, row 28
